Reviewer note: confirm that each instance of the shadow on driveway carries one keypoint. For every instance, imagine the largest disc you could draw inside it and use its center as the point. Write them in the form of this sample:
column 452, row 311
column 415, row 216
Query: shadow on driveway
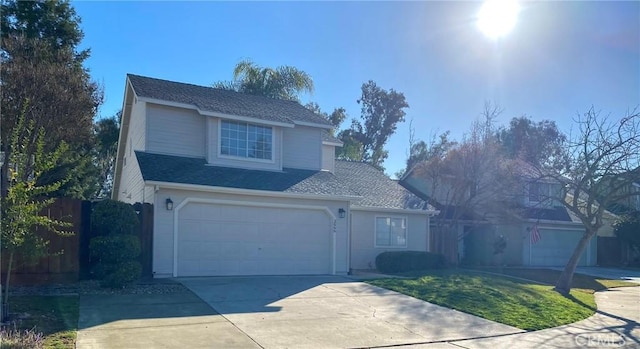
column 334, row 312
column 174, row 320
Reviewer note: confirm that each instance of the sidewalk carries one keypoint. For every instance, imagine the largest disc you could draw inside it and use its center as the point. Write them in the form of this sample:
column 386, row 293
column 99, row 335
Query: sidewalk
column 616, row 324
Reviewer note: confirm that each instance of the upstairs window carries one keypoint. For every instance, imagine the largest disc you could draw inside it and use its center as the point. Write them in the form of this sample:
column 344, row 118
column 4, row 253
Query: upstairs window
column 543, row 193
column 244, row 140
column 538, row 192
column 635, row 198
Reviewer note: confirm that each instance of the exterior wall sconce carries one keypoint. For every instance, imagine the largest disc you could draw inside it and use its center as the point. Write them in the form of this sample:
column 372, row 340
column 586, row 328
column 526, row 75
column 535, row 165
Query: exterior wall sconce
column 341, row 212
column 169, row 204
column 138, row 207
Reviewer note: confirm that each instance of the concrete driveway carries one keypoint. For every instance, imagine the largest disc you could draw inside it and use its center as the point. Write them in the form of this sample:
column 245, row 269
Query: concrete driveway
column 334, row 312
column 140, row 321
column 327, row 312
column 609, row 273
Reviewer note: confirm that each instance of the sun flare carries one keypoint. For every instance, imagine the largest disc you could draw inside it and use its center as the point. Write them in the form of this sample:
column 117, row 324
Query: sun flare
column 497, row 17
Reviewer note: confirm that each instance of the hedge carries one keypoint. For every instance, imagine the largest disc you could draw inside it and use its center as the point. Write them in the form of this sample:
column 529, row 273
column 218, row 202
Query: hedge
column 403, row 261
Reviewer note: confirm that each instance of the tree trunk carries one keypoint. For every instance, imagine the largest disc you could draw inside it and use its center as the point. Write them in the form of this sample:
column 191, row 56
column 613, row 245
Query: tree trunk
column 564, row 282
column 6, row 284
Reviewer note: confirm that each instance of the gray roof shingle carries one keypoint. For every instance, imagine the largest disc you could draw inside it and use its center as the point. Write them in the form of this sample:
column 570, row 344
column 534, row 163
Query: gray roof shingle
column 354, row 179
column 559, row 214
column 376, row 189
column 327, row 137
column 224, row 101
column 177, row 169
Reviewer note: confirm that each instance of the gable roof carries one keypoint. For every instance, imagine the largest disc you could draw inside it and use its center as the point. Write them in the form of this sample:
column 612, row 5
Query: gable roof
column 227, row 102
column 369, row 186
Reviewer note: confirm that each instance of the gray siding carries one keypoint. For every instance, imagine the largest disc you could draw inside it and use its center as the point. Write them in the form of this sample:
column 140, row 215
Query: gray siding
column 131, row 183
column 175, row 131
column 214, row 159
column 163, row 224
column 363, row 250
column 328, row 157
column 302, row 148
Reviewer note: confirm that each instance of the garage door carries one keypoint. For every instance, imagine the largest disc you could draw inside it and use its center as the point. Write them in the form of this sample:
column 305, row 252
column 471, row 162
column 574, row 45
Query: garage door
column 217, row 239
column 556, row 247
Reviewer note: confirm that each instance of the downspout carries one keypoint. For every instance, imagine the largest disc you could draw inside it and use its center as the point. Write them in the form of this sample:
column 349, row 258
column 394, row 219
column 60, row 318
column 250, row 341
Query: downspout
column 428, row 233
column 349, row 220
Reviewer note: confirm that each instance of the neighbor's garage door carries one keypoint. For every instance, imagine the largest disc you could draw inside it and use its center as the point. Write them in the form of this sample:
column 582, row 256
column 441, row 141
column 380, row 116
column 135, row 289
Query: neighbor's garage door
column 555, row 248
column 215, row 239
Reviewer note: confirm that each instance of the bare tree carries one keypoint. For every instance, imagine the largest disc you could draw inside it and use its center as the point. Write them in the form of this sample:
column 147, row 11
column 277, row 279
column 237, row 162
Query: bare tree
column 468, row 181
column 600, row 163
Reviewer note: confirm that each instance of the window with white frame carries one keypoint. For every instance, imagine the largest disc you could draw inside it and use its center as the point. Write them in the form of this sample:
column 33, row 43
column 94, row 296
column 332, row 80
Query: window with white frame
column 391, row 232
column 241, row 139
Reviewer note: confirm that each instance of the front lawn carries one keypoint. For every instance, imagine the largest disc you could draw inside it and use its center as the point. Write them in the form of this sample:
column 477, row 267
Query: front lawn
column 54, row 316
column 582, row 282
column 522, row 304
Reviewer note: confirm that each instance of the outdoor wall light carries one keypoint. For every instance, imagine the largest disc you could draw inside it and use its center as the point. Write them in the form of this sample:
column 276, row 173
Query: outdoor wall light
column 341, row 212
column 169, row 204
column 138, row 207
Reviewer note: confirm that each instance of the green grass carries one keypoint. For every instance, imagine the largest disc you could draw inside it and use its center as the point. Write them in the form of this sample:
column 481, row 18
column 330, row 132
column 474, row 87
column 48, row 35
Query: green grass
column 55, row 316
column 522, row 304
column 581, row 282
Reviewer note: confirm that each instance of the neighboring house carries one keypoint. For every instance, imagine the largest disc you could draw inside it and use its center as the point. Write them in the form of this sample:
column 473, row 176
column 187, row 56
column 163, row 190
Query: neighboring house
column 247, row 185
column 629, row 204
column 480, row 229
column 611, row 249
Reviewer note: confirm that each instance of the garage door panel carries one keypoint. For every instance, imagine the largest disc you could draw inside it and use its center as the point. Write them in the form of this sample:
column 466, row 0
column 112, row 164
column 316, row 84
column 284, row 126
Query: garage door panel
column 216, row 239
column 556, row 247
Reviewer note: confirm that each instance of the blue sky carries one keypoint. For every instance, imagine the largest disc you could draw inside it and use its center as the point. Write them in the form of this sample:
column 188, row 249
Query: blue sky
column 560, row 59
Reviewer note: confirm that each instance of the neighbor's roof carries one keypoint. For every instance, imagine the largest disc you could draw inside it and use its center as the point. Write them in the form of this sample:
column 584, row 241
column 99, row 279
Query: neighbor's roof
column 355, row 179
column 224, row 101
column 559, row 214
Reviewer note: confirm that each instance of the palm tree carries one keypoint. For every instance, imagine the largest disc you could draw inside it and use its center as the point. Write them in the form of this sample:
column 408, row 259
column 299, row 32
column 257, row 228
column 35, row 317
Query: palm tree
column 283, row 82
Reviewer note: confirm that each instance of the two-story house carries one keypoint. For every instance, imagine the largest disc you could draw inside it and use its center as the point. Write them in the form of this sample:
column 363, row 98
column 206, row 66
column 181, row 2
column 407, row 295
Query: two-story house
column 248, row 185
column 535, row 227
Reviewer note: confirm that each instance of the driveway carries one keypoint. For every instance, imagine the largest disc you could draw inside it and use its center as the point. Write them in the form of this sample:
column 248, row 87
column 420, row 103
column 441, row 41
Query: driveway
column 327, row 312
column 334, row 312
column 609, row 273
column 176, row 320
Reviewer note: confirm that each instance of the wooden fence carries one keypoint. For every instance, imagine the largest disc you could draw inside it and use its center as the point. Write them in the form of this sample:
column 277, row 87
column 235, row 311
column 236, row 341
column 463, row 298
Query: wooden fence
column 69, row 258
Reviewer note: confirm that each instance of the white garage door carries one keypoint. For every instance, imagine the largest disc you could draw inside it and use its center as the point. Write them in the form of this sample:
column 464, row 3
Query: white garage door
column 556, row 247
column 216, row 239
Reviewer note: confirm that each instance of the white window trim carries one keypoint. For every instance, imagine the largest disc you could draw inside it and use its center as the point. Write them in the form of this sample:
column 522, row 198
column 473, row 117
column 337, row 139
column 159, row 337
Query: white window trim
column 406, row 225
column 241, row 158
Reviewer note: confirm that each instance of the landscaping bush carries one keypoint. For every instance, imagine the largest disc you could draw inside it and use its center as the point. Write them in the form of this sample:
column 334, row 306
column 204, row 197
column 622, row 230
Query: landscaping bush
column 403, row 261
column 101, row 270
column 116, row 247
column 124, row 274
column 110, row 217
